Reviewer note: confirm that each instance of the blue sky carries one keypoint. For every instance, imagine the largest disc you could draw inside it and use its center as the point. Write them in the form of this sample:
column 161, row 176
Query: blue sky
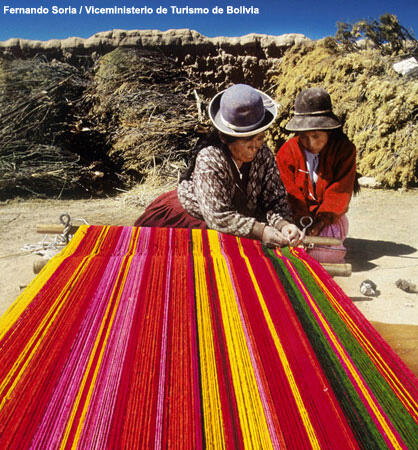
column 313, row 18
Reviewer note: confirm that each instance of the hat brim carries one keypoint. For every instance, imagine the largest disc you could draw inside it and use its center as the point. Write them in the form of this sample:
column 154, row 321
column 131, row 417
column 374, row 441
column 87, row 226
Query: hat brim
column 312, row 123
column 269, row 117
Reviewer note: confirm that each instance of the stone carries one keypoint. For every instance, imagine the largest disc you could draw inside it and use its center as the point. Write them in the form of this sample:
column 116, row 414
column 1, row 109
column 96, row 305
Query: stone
column 369, row 182
column 406, row 285
column 407, row 67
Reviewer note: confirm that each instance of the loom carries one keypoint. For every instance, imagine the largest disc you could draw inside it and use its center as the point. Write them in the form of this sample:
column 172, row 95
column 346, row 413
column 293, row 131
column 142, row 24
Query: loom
column 340, row 269
column 174, row 338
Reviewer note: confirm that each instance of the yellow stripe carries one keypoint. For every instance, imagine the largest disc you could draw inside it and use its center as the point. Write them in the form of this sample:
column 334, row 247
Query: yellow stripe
column 212, row 409
column 404, row 396
column 39, row 334
column 250, row 409
column 282, row 355
column 112, row 312
column 8, row 319
column 382, row 420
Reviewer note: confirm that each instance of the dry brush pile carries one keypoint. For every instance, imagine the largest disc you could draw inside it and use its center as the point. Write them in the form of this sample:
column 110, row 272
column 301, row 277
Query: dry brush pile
column 149, row 110
column 69, row 132
column 135, row 115
column 36, row 102
column 379, row 106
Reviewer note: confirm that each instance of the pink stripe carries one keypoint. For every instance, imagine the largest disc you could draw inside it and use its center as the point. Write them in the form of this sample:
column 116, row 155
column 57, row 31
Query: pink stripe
column 55, row 419
column 101, row 409
column 162, row 376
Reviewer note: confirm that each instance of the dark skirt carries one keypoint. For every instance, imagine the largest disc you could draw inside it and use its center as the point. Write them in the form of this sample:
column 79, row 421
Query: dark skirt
column 166, row 211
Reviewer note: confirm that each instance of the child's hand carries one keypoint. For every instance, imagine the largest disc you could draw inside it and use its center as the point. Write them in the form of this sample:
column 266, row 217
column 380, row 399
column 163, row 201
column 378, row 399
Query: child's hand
column 316, row 228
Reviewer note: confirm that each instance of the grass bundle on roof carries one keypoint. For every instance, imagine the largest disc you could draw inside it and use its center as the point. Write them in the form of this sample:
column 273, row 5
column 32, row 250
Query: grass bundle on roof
column 379, row 106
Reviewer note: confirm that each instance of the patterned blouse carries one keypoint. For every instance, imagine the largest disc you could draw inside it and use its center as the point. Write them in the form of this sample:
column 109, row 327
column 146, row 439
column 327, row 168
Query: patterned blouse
column 212, row 191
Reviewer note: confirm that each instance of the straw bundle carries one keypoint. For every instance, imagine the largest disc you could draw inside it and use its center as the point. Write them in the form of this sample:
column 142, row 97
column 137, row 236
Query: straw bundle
column 145, row 103
column 36, row 121
column 379, row 106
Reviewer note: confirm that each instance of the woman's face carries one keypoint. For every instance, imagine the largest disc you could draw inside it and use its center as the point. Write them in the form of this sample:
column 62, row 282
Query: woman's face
column 244, row 149
column 314, row 141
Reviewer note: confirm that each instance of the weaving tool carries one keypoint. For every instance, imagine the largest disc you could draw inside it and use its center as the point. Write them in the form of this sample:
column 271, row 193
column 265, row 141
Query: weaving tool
column 175, row 338
column 343, row 270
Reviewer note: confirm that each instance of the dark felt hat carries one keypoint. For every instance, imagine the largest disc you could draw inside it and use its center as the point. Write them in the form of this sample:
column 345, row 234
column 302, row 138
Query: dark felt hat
column 313, row 111
column 242, row 111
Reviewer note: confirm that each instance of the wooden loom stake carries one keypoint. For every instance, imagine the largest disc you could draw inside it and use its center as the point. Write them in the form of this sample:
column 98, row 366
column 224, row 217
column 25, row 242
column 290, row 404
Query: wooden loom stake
column 341, row 270
column 54, row 229
column 39, row 264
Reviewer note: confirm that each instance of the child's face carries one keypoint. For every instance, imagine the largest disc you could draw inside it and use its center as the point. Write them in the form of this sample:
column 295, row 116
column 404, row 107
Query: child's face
column 314, row 141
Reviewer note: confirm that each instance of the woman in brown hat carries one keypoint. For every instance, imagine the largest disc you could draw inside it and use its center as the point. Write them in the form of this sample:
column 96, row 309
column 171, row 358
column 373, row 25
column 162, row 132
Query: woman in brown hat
column 233, row 183
column 318, row 169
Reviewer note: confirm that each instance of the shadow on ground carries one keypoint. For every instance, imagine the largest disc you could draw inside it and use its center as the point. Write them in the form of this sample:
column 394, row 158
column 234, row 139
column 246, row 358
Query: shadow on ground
column 360, row 252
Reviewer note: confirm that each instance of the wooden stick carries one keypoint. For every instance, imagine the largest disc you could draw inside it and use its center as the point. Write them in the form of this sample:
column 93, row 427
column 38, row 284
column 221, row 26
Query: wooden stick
column 339, row 270
column 59, row 229
column 321, row 240
column 54, row 229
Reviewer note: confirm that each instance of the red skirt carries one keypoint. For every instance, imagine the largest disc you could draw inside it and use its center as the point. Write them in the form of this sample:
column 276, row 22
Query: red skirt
column 166, row 212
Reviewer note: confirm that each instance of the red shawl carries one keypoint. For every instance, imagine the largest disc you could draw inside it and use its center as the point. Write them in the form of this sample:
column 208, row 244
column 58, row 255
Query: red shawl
column 334, row 187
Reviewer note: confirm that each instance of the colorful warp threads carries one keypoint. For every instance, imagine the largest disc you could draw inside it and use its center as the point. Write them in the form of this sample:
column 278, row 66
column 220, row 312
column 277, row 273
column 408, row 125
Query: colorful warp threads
column 173, row 338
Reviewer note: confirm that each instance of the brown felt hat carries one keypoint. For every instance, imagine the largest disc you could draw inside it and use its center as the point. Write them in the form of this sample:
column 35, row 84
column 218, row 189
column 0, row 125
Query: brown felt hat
column 313, row 111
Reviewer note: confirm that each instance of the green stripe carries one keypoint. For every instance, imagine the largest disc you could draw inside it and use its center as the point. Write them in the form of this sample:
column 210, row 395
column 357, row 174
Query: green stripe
column 400, row 418
column 352, row 405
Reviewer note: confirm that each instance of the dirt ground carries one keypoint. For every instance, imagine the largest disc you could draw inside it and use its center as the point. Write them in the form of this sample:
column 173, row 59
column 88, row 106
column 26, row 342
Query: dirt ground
column 382, row 247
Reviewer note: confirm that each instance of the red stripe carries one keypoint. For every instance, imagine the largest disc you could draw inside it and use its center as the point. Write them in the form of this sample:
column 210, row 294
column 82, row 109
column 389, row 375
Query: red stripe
column 181, row 405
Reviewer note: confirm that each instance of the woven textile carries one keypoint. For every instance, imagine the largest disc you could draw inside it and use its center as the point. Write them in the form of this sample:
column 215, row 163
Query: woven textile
column 175, row 338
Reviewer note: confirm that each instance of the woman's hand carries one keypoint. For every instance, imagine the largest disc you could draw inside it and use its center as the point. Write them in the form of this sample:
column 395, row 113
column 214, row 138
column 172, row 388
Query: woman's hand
column 292, row 234
column 273, row 238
